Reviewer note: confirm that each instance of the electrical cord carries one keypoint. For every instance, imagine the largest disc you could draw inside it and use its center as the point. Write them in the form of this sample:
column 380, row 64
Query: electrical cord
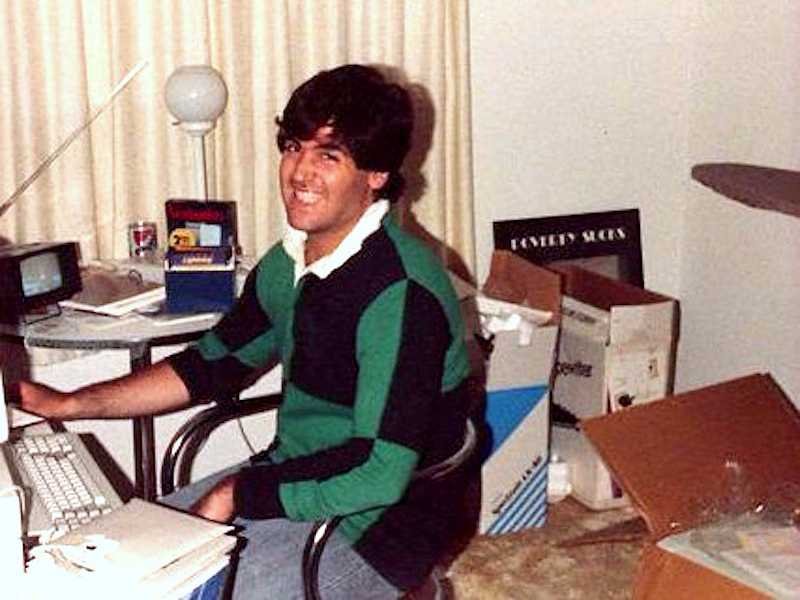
column 246, row 439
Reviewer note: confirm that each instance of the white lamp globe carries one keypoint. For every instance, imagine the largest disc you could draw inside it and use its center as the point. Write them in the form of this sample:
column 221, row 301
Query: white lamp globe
column 196, row 95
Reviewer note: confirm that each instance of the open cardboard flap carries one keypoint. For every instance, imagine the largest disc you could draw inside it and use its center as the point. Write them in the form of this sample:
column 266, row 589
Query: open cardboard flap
column 689, row 459
column 514, row 279
column 680, row 457
column 603, row 292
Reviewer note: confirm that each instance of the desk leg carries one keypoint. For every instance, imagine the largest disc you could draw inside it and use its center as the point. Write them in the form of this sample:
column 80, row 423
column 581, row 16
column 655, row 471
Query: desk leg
column 144, row 444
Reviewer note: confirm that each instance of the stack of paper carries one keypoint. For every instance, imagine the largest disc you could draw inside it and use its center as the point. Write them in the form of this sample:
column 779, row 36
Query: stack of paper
column 761, row 553
column 141, row 550
column 114, row 294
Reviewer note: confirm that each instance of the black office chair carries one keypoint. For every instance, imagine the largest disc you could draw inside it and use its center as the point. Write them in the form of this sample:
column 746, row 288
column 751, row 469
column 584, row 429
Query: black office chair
column 176, row 469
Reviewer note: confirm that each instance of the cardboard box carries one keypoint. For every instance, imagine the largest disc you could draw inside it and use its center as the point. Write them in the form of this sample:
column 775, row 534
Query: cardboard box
column 517, row 374
column 696, row 458
column 616, row 349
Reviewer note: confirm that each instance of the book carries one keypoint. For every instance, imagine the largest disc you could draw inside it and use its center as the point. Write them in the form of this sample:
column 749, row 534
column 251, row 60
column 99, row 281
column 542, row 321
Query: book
column 163, row 318
column 140, row 550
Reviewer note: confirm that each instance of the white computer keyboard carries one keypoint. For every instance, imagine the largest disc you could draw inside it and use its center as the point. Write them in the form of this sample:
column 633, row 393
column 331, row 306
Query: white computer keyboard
column 65, row 486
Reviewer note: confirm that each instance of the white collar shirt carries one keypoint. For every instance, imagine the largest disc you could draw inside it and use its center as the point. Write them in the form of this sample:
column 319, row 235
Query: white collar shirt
column 294, row 243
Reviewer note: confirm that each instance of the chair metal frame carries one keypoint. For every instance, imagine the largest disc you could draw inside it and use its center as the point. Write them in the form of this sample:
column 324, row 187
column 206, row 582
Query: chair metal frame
column 322, row 530
column 189, row 439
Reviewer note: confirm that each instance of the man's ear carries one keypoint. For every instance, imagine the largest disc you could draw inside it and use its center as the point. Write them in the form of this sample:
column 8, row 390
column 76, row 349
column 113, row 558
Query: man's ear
column 377, row 179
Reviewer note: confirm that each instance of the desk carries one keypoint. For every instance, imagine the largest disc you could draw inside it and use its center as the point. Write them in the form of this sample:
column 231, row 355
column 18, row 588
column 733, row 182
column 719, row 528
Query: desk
column 75, row 330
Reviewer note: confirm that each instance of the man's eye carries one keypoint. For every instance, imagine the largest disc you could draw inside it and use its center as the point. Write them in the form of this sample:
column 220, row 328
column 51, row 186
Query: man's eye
column 291, row 146
column 333, row 156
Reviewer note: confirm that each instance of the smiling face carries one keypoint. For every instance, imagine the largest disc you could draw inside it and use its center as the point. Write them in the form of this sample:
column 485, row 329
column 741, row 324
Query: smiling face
column 324, row 192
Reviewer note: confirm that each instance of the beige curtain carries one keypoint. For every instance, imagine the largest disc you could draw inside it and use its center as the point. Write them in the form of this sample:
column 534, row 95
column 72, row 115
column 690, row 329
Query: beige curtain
column 60, row 59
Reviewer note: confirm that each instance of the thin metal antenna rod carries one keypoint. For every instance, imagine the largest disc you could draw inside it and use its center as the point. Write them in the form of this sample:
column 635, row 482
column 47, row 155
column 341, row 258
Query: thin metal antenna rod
column 5, row 206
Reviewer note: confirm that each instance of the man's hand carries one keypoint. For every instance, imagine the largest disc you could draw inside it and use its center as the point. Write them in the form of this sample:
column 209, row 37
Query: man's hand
column 217, row 504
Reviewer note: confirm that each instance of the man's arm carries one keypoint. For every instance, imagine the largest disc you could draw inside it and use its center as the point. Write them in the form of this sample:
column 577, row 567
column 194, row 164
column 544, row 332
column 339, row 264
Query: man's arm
column 154, row 389
column 402, row 342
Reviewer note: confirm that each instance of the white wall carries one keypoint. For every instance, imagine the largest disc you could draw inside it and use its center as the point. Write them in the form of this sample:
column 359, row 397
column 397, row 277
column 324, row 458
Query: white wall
column 584, row 106
column 741, row 294
column 740, row 276
column 577, row 107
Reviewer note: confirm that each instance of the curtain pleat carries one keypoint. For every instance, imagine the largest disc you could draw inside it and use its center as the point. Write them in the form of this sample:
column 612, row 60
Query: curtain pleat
column 62, row 58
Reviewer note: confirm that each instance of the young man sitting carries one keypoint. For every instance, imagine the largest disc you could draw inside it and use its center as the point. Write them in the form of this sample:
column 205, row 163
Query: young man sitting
column 367, row 326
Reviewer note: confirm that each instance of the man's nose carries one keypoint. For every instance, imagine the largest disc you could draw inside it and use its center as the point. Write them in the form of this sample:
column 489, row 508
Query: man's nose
column 303, row 166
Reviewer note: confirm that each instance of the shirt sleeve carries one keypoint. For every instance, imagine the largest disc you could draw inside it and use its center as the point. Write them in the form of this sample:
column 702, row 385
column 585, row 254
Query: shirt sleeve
column 225, row 360
column 402, row 340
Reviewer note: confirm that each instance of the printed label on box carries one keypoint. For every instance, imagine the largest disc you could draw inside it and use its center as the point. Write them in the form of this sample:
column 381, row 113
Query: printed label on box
column 608, row 360
column 515, row 471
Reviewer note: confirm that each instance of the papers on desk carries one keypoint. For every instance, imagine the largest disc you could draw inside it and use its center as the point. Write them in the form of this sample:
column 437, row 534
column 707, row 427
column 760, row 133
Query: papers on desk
column 141, row 550
column 759, row 549
column 113, row 293
column 21, row 418
column 136, row 322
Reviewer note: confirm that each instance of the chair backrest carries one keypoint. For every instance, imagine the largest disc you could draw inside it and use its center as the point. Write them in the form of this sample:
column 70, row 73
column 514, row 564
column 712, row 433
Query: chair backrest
column 188, row 440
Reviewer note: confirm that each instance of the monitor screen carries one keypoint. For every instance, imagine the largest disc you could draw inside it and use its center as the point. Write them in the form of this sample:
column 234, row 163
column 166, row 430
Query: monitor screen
column 40, row 274
column 34, row 277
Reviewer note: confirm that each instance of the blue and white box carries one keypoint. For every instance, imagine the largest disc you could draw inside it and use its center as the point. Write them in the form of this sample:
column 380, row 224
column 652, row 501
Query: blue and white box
column 518, row 311
column 514, row 479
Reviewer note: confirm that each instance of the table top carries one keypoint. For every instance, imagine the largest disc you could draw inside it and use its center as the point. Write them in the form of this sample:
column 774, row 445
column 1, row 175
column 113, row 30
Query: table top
column 74, row 329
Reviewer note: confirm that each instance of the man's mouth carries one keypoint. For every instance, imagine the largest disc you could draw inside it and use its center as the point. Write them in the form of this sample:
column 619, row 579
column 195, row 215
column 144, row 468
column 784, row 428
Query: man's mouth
column 306, row 197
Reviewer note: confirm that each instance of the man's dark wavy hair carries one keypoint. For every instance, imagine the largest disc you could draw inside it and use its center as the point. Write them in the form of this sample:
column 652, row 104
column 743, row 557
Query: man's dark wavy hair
column 370, row 116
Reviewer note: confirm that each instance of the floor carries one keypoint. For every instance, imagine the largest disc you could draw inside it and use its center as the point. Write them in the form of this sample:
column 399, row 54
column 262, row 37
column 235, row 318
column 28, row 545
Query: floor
column 536, row 564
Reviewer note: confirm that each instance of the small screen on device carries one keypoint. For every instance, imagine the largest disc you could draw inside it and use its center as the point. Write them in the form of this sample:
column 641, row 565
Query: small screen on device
column 41, row 273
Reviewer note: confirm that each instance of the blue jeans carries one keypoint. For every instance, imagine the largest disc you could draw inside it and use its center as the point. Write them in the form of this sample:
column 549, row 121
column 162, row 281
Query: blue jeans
column 270, row 561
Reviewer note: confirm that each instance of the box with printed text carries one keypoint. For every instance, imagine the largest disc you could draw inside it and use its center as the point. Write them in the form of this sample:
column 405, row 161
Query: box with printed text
column 200, row 263
column 616, row 349
column 513, row 333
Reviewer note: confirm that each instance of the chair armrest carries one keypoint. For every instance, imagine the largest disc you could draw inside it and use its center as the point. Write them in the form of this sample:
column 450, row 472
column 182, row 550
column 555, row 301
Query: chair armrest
column 455, row 460
column 190, row 437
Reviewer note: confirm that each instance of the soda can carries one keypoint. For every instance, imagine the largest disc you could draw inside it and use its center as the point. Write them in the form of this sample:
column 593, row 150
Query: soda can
column 142, row 239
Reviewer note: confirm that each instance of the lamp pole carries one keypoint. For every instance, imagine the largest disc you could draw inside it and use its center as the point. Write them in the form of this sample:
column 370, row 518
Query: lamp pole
column 201, row 183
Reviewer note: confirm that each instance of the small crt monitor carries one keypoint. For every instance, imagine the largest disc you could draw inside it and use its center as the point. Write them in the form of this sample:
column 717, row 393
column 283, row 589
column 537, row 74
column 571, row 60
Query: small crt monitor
column 35, row 277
